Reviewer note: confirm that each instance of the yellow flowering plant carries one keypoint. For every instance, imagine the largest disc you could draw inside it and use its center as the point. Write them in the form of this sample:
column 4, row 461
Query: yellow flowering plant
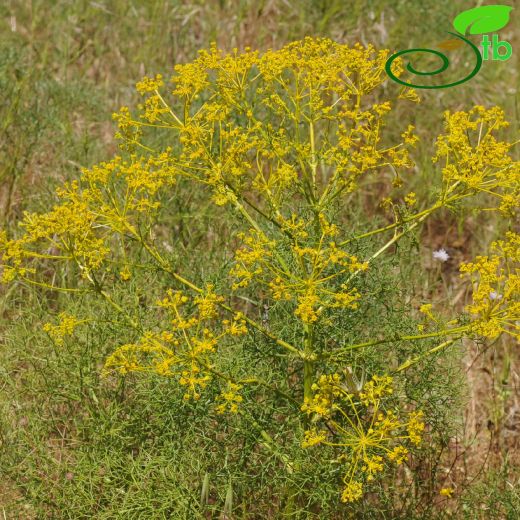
column 280, row 141
column 359, row 424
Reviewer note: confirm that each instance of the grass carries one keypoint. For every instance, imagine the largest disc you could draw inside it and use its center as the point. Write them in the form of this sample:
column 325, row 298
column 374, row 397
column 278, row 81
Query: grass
column 75, row 446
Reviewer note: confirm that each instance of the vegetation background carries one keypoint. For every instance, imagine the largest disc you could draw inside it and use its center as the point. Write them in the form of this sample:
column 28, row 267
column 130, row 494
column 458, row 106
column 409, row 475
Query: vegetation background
column 69, row 448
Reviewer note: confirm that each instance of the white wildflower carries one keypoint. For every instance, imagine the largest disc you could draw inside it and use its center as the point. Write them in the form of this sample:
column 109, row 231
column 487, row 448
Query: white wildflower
column 441, row 255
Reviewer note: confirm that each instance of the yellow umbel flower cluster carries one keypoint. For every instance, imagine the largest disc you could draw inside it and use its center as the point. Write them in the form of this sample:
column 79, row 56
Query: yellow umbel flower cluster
column 230, row 399
column 186, row 349
column 247, row 122
column 496, row 289
column 474, row 160
column 367, row 433
column 110, row 198
column 312, row 284
column 65, row 327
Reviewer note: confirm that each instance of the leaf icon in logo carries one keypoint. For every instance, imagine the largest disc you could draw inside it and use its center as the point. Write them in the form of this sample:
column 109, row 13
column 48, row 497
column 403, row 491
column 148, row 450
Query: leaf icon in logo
column 484, row 19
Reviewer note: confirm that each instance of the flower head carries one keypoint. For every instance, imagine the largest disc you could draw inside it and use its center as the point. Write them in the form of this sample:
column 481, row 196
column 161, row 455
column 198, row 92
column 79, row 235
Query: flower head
column 352, row 492
column 446, row 492
column 360, row 424
column 441, row 255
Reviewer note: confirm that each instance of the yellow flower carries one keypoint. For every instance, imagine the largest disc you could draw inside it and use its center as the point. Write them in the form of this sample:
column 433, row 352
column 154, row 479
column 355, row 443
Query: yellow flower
column 496, row 289
column 207, row 303
column 416, row 427
column 475, row 159
column 65, row 327
column 373, row 465
column 313, row 437
column 307, row 304
column 411, row 199
column 410, row 94
column 282, row 140
column 446, row 492
column 186, row 349
column 375, row 389
column 149, row 84
column 230, row 399
column 398, row 454
column 173, row 300
column 125, row 274
column 426, row 309
column 353, row 491
column 237, row 327
column 147, row 356
column 409, row 137
column 279, row 289
column 363, row 428
column 195, row 380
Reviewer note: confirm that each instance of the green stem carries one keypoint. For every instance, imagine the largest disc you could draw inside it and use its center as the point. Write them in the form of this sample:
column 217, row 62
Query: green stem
column 445, row 332
column 412, row 361
column 120, row 309
column 314, row 163
column 426, row 212
column 418, row 217
column 270, row 444
column 308, row 362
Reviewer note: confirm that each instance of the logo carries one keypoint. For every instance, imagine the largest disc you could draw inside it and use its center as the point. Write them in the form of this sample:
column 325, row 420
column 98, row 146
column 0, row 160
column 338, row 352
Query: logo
column 480, row 20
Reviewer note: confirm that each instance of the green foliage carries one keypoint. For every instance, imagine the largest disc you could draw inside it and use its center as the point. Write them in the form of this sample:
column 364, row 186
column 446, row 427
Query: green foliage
column 132, row 448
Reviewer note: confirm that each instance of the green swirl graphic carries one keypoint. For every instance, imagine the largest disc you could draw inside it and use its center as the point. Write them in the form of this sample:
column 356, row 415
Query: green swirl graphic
column 442, row 68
